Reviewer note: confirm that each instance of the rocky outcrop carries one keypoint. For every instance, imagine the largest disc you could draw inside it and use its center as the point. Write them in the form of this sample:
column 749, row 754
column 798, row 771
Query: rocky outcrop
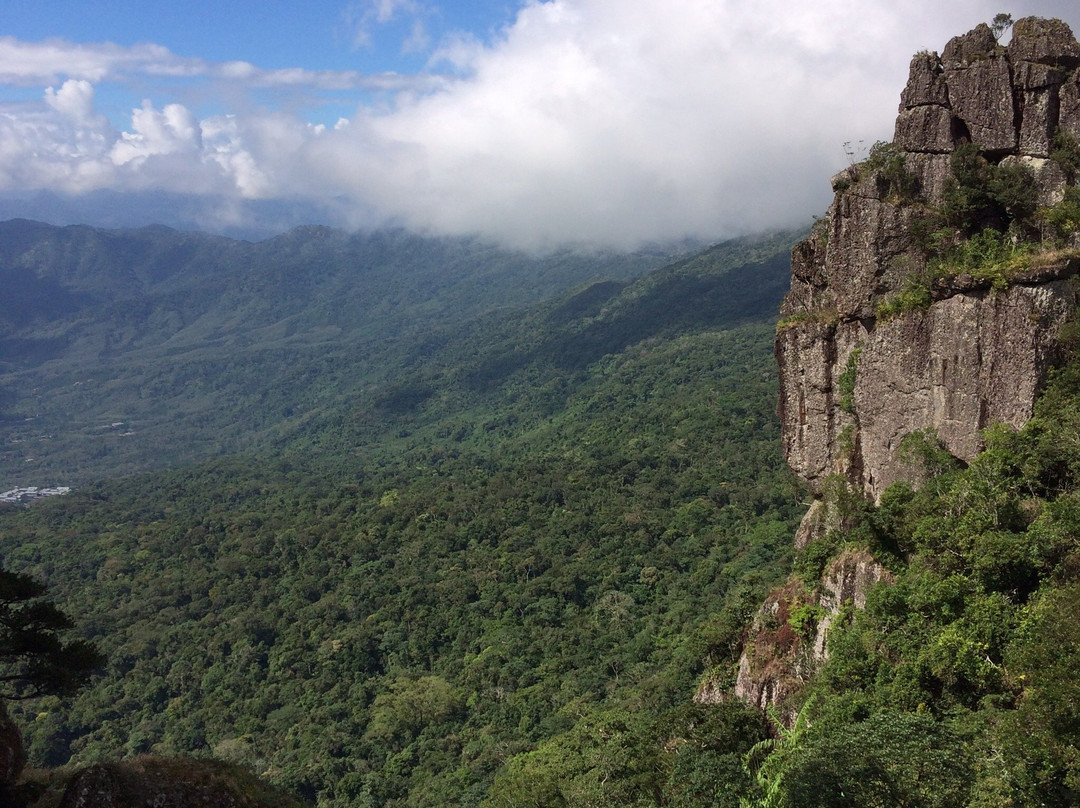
column 170, row 783
column 788, row 639
column 862, row 366
column 970, row 359
column 846, row 582
column 778, row 651
column 852, row 383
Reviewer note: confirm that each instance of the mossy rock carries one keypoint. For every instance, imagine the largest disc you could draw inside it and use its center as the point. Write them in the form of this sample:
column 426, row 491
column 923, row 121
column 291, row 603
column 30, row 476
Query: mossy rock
column 159, row 782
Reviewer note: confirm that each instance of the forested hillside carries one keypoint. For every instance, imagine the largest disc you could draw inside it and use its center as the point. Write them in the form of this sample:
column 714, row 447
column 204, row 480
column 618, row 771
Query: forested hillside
column 124, row 351
column 536, row 532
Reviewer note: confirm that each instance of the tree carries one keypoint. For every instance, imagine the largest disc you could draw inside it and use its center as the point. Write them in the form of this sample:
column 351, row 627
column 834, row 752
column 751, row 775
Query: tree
column 1040, row 739
column 891, row 760
column 34, row 660
column 1001, row 23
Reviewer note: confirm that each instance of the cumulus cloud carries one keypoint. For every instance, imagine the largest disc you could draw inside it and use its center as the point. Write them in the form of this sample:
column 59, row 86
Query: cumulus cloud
column 173, row 129
column 75, row 100
column 628, row 121
column 611, row 122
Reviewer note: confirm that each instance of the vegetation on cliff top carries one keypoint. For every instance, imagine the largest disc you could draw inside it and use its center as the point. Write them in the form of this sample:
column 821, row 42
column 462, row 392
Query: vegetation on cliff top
column 989, row 226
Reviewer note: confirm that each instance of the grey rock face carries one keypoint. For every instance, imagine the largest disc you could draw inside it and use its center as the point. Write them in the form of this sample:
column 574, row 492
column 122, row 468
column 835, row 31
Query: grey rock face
column 811, row 359
column 926, row 82
column 854, row 382
column 932, row 173
column 974, row 355
column 1069, row 108
column 981, row 96
column 1038, row 100
column 971, row 359
column 847, row 580
column 968, row 361
column 1045, row 41
column 866, row 251
column 976, row 45
column 925, row 129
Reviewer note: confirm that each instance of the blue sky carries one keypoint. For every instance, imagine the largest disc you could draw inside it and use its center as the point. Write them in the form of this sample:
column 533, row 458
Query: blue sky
column 536, row 123
column 321, row 35
column 370, row 37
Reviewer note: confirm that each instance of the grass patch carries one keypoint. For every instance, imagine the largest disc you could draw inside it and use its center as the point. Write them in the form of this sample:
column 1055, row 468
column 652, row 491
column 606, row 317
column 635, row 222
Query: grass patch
column 989, row 257
column 914, row 296
column 846, row 382
column 827, row 316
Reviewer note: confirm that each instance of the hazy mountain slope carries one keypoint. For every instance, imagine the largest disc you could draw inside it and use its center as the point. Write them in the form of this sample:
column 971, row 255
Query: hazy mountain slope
column 193, row 344
column 128, row 350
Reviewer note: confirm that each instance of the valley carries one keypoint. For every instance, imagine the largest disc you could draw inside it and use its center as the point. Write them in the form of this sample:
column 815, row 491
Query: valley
column 521, row 519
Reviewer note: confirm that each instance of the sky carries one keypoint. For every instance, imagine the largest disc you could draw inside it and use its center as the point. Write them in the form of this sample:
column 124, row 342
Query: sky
column 601, row 123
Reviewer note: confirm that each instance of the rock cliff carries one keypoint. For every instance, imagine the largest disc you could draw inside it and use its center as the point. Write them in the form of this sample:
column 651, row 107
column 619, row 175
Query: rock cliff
column 975, row 349
column 927, row 300
column 789, row 634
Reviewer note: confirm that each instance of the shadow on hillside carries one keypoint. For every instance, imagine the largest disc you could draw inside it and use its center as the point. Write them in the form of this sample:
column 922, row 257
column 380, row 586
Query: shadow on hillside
column 673, row 305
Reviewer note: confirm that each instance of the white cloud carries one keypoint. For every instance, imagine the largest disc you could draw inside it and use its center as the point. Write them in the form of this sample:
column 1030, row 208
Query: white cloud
column 74, row 100
column 604, row 121
column 28, row 64
column 50, row 61
column 173, row 129
column 629, row 121
column 363, row 17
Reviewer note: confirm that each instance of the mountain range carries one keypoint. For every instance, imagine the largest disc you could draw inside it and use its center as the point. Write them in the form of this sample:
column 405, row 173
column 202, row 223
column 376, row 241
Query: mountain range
column 125, row 351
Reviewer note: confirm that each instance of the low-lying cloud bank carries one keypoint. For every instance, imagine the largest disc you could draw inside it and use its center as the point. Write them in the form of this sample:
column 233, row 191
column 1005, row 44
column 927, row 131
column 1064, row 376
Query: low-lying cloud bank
column 605, row 122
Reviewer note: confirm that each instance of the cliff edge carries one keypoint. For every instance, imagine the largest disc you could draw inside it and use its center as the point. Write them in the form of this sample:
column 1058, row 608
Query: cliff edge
column 888, row 328
column 924, row 307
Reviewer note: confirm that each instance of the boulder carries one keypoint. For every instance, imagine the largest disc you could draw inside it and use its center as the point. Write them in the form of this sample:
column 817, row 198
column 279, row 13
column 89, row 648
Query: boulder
column 1046, row 41
column 925, row 129
column 926, row 82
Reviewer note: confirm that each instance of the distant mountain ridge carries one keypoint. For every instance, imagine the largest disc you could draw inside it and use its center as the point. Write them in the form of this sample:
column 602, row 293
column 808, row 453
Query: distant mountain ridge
column 194, row 276
column 125, row 350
